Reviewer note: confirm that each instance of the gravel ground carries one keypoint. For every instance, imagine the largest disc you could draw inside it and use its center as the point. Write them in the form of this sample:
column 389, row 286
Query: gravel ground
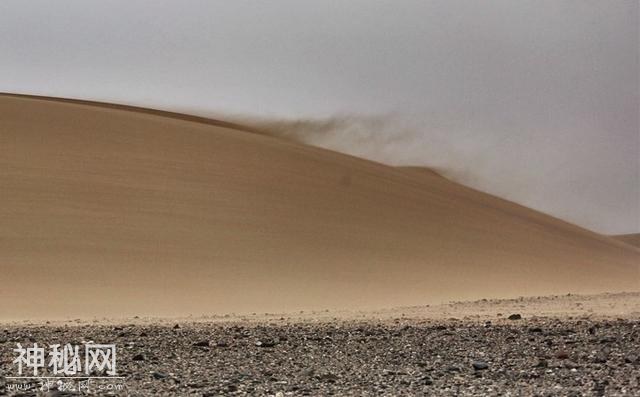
column 450, row 357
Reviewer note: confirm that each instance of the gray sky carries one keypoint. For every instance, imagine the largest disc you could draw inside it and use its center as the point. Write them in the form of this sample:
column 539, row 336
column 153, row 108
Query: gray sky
column 536, row 101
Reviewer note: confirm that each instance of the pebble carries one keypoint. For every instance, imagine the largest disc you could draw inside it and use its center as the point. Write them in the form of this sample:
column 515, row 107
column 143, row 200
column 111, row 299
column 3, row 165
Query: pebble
column 159, row 375
column 480, row 365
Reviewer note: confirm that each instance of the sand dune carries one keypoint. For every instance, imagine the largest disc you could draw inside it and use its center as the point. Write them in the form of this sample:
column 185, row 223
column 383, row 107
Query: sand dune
column 111, row 211
column 631, row 239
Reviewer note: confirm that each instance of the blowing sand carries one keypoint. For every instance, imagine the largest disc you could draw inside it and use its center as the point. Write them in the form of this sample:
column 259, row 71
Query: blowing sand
column 111, row 211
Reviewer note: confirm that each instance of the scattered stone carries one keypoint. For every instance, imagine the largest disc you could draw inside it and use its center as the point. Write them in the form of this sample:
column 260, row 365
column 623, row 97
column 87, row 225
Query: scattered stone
column 480, row 365
column 515, row 317
column 601, row 357
column 328, row 377
column 570, row 364
column 541, row 363
column 265, row 343
column 403, row 356
column 159, row 375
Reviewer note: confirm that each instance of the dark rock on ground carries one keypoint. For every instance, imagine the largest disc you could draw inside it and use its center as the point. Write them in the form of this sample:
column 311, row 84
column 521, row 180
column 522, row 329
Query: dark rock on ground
column 480, row 365
column 535, row 330
column 159, row 375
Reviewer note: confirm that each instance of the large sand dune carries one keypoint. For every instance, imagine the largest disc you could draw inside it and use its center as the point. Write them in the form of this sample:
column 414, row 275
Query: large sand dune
column 109, row 211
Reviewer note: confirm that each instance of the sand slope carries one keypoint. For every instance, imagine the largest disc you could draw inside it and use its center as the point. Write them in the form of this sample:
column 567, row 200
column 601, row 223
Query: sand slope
column 106, row 211
column 631, row 239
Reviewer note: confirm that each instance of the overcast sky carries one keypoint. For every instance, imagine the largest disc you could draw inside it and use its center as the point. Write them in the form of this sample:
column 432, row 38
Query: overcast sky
column 536, row 101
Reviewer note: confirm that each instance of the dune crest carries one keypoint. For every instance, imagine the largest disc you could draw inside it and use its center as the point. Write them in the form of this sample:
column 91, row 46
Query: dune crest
column 114, row 211
column 631, row 239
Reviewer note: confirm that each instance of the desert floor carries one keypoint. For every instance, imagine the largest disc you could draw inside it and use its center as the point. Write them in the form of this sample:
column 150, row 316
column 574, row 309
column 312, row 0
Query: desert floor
column 569, row 345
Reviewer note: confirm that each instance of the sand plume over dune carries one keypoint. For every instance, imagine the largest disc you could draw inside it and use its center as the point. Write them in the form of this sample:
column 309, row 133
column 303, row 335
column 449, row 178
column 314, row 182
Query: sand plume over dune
column 109, row 211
